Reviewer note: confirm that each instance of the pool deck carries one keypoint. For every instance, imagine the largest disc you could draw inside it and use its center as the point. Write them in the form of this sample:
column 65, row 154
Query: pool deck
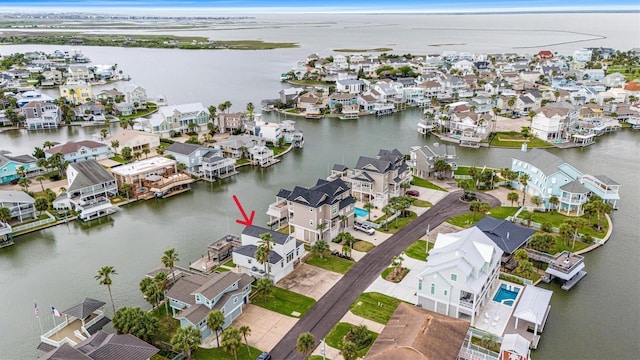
column 494, row 317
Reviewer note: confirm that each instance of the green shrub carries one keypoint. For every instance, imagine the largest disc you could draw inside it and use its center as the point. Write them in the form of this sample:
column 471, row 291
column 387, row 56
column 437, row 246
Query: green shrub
column 547, row 227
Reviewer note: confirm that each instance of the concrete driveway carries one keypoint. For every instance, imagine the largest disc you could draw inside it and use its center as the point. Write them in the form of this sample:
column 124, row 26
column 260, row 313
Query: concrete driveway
column 310, row 281
column 267, row 327
column 406, row 289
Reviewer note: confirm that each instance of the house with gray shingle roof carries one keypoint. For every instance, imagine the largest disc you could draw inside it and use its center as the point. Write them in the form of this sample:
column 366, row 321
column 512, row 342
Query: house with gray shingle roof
column 422, row 160
column 20, row 204
column 315, row 213
column 285, row 252
column 9, row 165
column 551, row 176
column 104, row 346
column 76, row 151
column 193, row 297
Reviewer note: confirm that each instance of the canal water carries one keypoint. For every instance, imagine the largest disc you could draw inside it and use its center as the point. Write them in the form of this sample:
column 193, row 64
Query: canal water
column 596, row 319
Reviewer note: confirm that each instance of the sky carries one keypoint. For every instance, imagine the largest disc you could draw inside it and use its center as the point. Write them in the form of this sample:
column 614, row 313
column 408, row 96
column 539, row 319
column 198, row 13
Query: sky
column 297, row 6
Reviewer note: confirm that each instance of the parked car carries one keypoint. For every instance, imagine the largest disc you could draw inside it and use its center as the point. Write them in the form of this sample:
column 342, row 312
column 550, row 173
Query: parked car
column 264, row 356
column 412, row 193
column 364, row 228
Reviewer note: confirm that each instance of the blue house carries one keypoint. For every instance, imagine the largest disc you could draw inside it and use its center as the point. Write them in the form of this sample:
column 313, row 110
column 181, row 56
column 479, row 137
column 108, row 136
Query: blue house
column 193, row 297
column 551, row 176
column 10, row 164
column 76, row 151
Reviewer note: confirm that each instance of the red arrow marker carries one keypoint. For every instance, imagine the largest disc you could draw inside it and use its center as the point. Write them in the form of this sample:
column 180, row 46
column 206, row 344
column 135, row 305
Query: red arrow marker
column 247, row 220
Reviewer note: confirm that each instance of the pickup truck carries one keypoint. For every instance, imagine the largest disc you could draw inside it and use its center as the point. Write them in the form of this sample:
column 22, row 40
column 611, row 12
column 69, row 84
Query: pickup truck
column 364, row 228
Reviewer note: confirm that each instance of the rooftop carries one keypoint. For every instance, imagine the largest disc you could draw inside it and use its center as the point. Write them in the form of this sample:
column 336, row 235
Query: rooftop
column 143, row 166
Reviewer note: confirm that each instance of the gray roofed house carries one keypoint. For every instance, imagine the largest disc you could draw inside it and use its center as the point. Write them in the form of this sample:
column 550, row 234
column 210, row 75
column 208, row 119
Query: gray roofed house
column 422, row 160
column 188, row 154
column 508, row 236
column 250, row 250
column 64, row 352
column 193, row 297
column 20, row 204
column 90, row 187
column 103, row 346
column 256, row 231
column 9, row 165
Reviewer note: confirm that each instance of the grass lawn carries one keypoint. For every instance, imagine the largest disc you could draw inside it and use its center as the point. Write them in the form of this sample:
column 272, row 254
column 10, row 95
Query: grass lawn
column 285, row 302
column 464, row 220
column 426, row 184
column 375, row 307
column 561, row 246
column 556, row 219
column 331, row 263
column 166, row 327
column 335, row 336
column 399, row 223
column 230, row 264
column 421, row 203
column 118, row 158
column 515, row 140
column 502, row 212
column 363, row 246
column 317, row 357
column 418, row 250
column 278, row 150
column 220, row 354
column 386, row 274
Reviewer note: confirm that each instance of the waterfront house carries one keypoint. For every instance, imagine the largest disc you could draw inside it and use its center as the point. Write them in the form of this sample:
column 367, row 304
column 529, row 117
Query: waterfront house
column 76, row 151
column 188, row 154
column 230, row 122
column 136, row 140
column 469, row 127
column 461, row 272
column 110, row 95
column 123, row 109
column 237, row 146
column 89, row 188
column 41, row 115
column 193, row 297
column 345, row 100
column 176, row 119
column 550, row 123
column 508, row 236
column 79, row 72
column 355, row 86
column 270, row 131
column 418, row 334
column 76, row 92
column 216, row 166
column 286, row 251
column 10, row 166
column 550, row 176
column 261, row 155
column 77, row 327
column 317, row 212
column 90, row 111
column 20, row 204
column 136, row 96
column 157, row 176
column 533, row 309
column 104, row 346
column 378, row 179
column 422, row 160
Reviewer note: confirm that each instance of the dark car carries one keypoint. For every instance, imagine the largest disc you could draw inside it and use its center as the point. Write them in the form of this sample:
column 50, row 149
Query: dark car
column 413, row 193
column 264, row 356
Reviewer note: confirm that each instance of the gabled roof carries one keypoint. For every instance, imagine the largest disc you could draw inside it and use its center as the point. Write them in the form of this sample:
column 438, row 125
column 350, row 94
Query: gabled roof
column 324, row 192
column 256, row 231
column 574, row 187
column 250, row 251
column 515, row 343
column 507, row 235
column 533, row 304
column 64, row 352
column 182, row 148
column 90, row 172
column 85, row 308
column 116, row 347
column 543, row 160
column 22, row 159
column 184, row 287
column 15, row 196
column 73, row 146
column 373, row 164
column 339, row 167
column 415, row 333
column 216, row 284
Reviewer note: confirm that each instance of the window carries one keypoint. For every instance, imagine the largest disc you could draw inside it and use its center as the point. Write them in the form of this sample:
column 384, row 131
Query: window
column 290, row 256
column 454, row 277
column 553, row 180
column 420, row 285
column 433, row 289
column 445, row 293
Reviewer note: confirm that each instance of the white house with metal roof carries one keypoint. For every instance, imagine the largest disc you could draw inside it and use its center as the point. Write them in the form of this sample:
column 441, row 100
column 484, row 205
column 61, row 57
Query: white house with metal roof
column 177, row 118
column 285, row 252
column 533, row 308
column 20, row 204
column 461, row 272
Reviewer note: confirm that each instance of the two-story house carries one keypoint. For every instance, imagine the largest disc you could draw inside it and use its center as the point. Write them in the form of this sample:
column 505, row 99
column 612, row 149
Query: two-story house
column 188, row 154
column 461, row 271
column 136, row 140
column 76, row 151
column 422, row 160
column 41, row 115
column 315, row 213
column 90, row 187
column 193, row 297
column 77, row 92
column 550, row 123
column 80, row 72
column 230, row 122
column 10, row 166
column 20, row 204
column 136, row 96
column 550, row 176
column 286, row 251
column 176, row 119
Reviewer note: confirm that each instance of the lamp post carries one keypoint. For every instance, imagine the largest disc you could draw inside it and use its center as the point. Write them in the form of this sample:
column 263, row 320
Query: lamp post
column 322, row 350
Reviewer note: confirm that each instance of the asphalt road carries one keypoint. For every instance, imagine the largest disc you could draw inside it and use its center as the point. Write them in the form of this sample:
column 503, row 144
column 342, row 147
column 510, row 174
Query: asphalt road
column 335, row 303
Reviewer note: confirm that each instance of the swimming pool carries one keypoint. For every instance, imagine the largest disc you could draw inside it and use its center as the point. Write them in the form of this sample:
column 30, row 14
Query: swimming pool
column 506, row 294
column 360, row 212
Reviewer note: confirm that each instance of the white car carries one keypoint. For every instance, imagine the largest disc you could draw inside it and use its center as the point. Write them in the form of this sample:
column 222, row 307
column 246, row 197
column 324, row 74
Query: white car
column 364, row 228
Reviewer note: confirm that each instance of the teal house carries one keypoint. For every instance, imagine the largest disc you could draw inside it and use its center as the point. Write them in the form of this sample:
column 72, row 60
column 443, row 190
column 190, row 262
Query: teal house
column 10, row 164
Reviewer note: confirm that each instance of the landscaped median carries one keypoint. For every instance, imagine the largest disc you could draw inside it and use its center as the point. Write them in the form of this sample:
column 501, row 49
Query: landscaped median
column 285, row 302
column 418, row 250
column 362, row 337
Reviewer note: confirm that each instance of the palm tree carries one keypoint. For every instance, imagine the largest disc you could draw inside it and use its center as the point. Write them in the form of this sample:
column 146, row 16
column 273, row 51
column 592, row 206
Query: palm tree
column 368, row 206
column 262, row 257
column 24, row 183
column 349, row 351
column 124, row 123
column 319, row 248
column 160, row 150
column 245, row 331
column 146, row 152
column 263, row 288
column 346, row 250
column 40, row 179
column 104, row 132
column 250, row 109
column 524, row 178
column 5, row 214
column 404, row 186
column 527, row 216
column 321, row 227
column 513, row 197
column 554, row 201
column 115, row 144
column 227, row 105
column 126, row 189
column 396, row 264
column 387, row 210
column 575, row 224
column 306, row 343
column 536, row 200
column 441, row 166
column 215, row 321
column 474, row 207
column 169, row 260
column 186, row 339
column 343, row 219
column 266, row 243
column 104, row 278
column 232, row 340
